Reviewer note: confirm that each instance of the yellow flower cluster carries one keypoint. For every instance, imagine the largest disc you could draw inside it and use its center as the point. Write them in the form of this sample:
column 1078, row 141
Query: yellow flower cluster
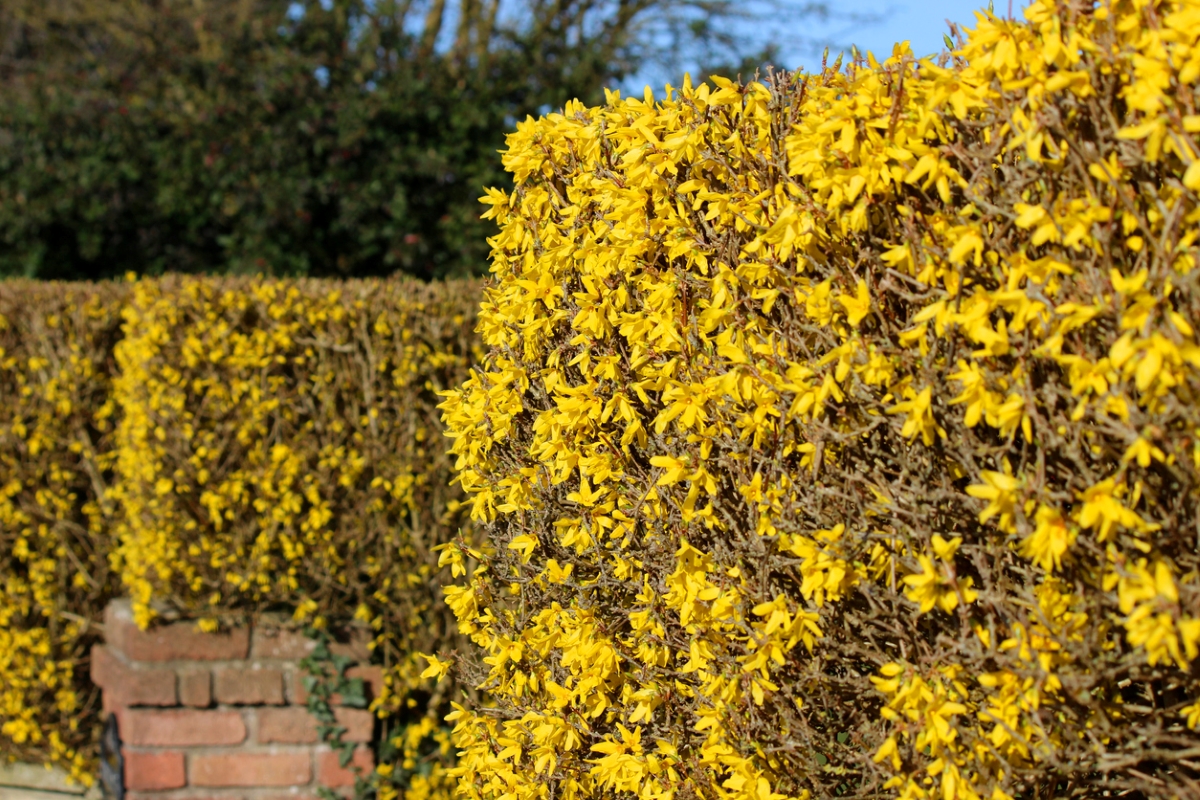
column 416, row 763
column 839, row 434
column 54, row 430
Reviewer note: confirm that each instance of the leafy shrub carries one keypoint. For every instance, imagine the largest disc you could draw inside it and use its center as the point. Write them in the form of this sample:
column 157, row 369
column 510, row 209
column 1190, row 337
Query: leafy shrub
column 839, row 436
column 55, row 435
column 253, row 166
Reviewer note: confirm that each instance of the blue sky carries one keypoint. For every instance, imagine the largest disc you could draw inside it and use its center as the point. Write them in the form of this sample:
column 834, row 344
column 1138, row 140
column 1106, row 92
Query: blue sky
column 920, row 21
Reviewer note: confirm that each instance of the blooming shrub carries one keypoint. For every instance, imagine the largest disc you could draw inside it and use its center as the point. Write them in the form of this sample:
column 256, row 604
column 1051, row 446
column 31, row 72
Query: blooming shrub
column 838, row 435
column 55, row 430
column 279, row 447
column 216, row 448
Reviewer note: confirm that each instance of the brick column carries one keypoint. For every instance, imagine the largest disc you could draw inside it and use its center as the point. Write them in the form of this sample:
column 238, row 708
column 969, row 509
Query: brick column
column 221, row 716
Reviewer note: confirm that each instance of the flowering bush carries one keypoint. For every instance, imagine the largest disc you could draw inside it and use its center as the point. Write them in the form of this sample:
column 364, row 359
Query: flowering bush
column 55, row 432
column 216, row 448
column 279, row 446
column 839, row 436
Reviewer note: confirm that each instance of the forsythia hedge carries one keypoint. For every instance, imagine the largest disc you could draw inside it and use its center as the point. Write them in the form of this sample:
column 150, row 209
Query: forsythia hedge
column 55, row 435
column 216, row 448
column 839, row 436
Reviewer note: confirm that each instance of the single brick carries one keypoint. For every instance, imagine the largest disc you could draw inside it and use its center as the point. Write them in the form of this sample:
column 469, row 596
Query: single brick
column 331, row 775
column 241, row 686
column 195, row 688
column 105, row 667
column 180, row 728
column 294, row 725
column 152, row 771
column 251, row 769
column 174, row 642
column 279, row 643
column 371, row 675
column 358, row 722
column 125, row 685
column 291, row 725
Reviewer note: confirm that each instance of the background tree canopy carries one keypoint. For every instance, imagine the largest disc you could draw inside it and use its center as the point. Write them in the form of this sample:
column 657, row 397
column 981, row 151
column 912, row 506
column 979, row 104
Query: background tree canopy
column 343, row 137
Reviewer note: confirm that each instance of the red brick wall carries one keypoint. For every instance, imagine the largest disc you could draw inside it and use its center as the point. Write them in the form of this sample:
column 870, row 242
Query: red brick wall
column 221, row 716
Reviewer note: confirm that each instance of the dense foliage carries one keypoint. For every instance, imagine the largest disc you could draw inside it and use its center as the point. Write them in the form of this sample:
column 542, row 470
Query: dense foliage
column 216, row 448
column 55, row 466
column 345, row 138
column 255, row 148
column 838, row 436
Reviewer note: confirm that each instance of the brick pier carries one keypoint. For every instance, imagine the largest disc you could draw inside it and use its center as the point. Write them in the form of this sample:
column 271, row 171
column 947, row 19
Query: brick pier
column 221, row 716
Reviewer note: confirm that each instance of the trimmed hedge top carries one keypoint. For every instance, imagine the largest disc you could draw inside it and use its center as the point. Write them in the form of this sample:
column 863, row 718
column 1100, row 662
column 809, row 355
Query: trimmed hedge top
column 839, row 434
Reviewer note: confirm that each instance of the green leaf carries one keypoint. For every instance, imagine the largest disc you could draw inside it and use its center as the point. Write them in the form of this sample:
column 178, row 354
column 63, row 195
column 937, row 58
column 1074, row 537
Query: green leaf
column 353, row 693
column 321, row 652
column 340, row 663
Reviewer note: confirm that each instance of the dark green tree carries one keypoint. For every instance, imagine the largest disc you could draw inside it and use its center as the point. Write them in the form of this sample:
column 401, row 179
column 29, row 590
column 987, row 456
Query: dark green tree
column 331, row 137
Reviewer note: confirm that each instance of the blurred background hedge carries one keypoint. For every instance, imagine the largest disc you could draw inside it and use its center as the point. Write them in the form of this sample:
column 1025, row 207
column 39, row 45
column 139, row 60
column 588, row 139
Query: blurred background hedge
column 343, row 138
column 217, row 448
column 55, row 432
